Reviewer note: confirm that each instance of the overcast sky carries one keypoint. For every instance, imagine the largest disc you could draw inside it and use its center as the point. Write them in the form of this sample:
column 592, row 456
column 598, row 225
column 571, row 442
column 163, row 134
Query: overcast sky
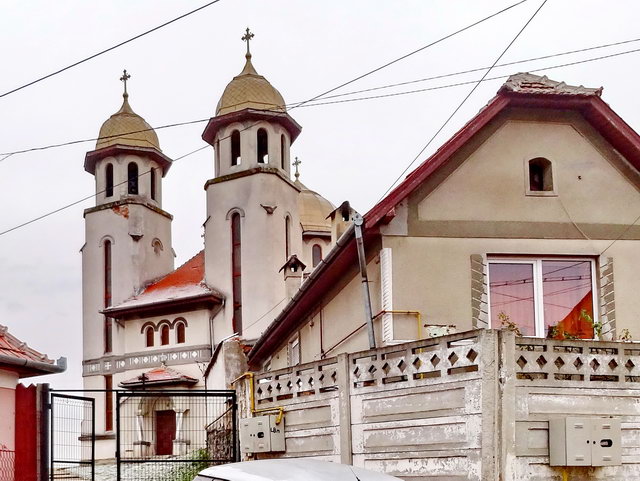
column 350, row 150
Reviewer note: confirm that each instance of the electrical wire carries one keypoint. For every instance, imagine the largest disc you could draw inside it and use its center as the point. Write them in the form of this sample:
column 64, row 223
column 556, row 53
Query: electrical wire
column 279, row 109
column 464, row 100
column 479, row 69
column 8, row 154
column 86, row 59
column 315, row 104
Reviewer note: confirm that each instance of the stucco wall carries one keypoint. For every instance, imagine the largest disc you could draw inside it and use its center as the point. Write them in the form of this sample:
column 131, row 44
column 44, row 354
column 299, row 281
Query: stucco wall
column 8, row 383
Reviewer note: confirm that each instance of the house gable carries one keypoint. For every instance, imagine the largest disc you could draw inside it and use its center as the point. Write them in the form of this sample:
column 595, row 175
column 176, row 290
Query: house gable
column 492, row 172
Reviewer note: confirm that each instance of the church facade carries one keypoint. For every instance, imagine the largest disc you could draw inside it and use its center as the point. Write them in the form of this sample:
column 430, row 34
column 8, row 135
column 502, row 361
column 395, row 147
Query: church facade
column 146, row 324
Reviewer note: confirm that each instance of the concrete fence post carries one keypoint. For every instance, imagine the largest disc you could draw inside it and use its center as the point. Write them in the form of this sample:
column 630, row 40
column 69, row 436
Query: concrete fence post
column 507, row 404
column 489, row 404
column 344, row 406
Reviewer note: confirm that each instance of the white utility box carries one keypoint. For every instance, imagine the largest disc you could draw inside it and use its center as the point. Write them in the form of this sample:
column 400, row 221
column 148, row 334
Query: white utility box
column 261, row 435
column 575, row 441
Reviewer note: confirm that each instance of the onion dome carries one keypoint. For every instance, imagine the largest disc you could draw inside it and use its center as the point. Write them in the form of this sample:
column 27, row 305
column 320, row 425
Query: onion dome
column 313, row 210
column 248, row 90
column 125, row 127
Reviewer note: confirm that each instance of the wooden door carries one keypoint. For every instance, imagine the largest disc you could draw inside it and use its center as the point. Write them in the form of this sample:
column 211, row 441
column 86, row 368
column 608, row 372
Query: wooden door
column 165, row 431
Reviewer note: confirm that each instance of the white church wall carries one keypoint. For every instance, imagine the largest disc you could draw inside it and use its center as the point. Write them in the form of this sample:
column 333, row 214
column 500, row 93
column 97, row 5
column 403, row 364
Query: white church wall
column 248, row 147
column 196, row 331
column 263, row 246
column 134, row 263
column 8, row 383
column 120, row 175
column 307, row 250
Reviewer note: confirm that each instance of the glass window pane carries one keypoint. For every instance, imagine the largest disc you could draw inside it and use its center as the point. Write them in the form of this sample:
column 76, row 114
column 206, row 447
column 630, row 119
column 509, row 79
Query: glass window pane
column 568, row 299
column 512, row 300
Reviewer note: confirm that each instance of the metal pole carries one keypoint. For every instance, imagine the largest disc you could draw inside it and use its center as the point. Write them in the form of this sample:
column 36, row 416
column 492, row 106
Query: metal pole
column 44, row 431
column 358, row 222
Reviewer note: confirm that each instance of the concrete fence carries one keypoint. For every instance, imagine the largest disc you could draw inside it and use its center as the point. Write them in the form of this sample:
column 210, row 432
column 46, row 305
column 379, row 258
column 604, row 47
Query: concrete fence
column 468, row 406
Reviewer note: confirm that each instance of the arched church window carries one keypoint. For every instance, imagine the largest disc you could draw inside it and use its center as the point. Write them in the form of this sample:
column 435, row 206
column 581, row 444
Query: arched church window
column 263, row 146
column 132, row 178
column 282, row 152
column 164, row 335
column 108, row 339
column 152, row 175
column 235, row 148
column 108, row 191
column 180, row 332
column 149, row 334
column 236, row 271
column 287, row 237
column 316, row 254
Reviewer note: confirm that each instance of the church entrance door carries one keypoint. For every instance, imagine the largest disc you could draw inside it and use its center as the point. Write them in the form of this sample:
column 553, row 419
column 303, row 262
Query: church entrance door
column 165, row 431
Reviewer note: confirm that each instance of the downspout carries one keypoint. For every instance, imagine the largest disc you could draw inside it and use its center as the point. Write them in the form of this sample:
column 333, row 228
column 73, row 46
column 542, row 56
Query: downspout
column 358, row 222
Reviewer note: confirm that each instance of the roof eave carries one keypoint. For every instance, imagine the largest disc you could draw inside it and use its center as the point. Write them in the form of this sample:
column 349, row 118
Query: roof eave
column 92, row 157
column 283, row 118
column 140, row 309
column 30, row 368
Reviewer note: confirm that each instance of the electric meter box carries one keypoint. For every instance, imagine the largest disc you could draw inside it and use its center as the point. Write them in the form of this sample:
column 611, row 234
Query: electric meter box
column 261, row 435
column 576, row 441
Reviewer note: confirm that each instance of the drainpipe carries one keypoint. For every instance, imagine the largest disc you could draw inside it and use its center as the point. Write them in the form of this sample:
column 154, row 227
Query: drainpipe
column 358, row 222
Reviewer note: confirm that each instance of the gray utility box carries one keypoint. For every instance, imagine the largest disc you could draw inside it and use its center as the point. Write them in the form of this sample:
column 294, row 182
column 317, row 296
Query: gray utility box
column 261, row 435
column 575, row 441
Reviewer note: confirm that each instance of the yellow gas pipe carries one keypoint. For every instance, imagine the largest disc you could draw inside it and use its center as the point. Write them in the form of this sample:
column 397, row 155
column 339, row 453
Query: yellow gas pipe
column 413, row 313
column 252, row 399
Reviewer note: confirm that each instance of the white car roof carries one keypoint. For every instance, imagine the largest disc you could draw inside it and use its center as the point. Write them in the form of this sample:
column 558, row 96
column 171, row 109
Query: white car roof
column 293, row 470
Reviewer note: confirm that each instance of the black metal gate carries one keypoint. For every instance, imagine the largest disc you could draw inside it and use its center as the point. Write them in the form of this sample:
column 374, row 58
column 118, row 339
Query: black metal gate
column 172, row 435
column 72, row 437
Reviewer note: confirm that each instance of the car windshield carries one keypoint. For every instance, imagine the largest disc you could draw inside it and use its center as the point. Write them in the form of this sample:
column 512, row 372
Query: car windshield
column 207, row 478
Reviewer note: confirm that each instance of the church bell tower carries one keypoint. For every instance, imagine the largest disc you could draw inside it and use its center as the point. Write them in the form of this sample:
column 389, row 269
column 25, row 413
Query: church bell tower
column 253, row 224
column 127, row 237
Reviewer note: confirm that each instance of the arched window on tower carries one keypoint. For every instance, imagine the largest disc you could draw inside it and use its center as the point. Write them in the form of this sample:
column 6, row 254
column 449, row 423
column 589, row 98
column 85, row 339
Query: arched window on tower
column 283, row 154
column 235, row 148
column 108, row 339
column 132, row 178
column 236, row 272
column 152, row 175
column 149, row 334
column 287, row 237
column 263, row 146
column 180, row 332
column 108, row 191
column 316, row 254
column 164, row 335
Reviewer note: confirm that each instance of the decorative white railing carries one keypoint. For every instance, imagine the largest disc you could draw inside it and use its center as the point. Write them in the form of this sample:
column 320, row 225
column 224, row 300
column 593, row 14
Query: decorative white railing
column 303, row 380
column 428, row 360
column 546, row 361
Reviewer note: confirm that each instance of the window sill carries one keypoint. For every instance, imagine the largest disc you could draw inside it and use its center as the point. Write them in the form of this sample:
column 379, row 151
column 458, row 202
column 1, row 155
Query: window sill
column 541, row 193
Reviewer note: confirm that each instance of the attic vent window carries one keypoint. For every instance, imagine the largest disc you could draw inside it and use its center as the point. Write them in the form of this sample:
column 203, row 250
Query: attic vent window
column 540, row 175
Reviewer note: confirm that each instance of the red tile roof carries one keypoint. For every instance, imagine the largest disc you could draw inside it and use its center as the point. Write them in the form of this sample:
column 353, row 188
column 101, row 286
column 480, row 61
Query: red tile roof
column 159, row 375
column 16, row 356
column 13, row 347
column 184, row 285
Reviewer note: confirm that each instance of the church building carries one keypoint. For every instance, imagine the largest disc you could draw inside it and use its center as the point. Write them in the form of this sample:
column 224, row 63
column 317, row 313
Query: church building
column 146, row 323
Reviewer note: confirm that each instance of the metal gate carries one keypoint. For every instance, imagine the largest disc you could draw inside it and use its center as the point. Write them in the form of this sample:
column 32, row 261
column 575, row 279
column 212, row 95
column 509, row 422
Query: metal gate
column 72, row 437
column 172, row 435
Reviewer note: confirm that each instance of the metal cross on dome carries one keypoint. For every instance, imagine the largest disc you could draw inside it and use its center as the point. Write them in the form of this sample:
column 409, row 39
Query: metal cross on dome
column 296, row 163
column 124, row 78
column 247, row 38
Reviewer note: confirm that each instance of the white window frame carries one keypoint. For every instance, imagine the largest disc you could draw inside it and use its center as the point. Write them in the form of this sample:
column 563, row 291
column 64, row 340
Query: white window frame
column 538, row 293
column 294, row 348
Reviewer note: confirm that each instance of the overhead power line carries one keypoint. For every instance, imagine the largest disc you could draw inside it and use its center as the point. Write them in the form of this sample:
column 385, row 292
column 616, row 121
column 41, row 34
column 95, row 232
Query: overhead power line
column 480, row 69
column 8, row 154
column 86, row 59
column 357, row 99
column 464, row 100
